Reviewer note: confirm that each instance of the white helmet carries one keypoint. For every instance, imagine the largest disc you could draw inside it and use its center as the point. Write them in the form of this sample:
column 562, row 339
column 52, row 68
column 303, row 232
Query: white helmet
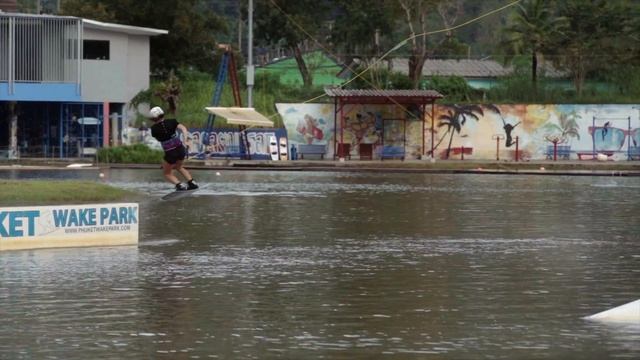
column 156, row 112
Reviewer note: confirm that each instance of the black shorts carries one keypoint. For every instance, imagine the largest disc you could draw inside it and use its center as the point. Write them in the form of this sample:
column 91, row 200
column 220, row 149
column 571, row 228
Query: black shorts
column 174, row 155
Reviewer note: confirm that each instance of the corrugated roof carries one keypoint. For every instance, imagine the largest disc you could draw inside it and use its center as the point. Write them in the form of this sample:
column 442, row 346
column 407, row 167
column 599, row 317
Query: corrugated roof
column 338, row 92
column 8, row 5
column 468, row 68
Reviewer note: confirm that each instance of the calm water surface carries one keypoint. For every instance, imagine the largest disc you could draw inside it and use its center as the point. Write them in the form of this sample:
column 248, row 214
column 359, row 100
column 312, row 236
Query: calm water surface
column 302, row 265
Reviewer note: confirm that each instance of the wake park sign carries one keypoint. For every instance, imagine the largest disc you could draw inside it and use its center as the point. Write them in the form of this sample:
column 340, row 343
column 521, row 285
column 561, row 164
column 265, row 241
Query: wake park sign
column 68, row 226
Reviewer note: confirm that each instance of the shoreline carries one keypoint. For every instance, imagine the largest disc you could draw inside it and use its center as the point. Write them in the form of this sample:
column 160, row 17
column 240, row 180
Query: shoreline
column 541, row 167
column 53, row 192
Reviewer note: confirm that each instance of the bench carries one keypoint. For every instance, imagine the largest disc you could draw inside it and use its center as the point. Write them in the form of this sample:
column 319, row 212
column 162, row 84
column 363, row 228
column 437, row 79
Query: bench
column 311, row 150
column 590, row 155
column 456, row 151
column 562, row 151
column 391, row 152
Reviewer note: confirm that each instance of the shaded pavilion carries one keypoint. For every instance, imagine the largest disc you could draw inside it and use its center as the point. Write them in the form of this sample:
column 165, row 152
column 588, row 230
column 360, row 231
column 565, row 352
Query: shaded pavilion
column 402, row 98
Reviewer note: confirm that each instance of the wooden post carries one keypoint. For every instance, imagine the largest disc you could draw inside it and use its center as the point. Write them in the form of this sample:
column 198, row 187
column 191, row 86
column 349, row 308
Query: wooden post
column 497, row 138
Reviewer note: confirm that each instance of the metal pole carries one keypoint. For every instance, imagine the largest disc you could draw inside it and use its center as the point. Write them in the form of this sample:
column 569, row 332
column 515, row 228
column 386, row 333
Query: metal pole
column 423, row 129
column 433, row 108
column 335, row 127
column 629, row 138
column 250, row 74
column 11, row 54
column 593, row 137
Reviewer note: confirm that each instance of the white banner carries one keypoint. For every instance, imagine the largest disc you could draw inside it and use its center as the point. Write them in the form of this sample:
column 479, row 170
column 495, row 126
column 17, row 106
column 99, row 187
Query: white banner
column 70, row 225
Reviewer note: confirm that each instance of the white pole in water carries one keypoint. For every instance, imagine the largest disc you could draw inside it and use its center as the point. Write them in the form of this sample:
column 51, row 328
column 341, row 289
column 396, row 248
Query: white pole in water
column 250, row 74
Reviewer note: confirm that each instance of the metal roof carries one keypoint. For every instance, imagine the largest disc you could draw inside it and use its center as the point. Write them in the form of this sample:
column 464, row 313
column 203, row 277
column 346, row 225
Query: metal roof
column 468, row 68
column 94, row 24
column 383, row 96
column 8, row 5
column 127, row 29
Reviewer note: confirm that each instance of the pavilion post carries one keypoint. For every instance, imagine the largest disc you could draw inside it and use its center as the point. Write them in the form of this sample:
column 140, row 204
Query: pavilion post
column 433, row 137
column 340, row 145
column 335, row 126
column 423, row 150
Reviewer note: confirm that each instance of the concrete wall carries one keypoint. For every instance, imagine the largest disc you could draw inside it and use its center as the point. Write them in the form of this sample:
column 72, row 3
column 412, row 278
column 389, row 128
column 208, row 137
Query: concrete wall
column 138, row 64
column 123, row 75
column 610, row 129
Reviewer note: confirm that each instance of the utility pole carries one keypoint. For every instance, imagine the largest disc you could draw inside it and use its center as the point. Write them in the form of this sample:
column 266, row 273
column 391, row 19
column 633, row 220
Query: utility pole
column 250, row 69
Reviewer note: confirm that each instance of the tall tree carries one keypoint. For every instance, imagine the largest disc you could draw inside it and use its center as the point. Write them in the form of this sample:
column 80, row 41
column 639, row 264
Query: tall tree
column 360, row 28
column 291, row 24
column 598, row 36
column 192, row 27
column 531, row 30
column 416, row 13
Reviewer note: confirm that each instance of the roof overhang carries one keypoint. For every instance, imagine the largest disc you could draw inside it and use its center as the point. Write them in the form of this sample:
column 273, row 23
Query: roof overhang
column 127, row 29
column 403, row 97
column 241, row 116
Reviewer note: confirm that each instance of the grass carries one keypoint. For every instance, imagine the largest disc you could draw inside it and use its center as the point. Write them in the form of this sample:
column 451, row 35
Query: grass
column 45, row 192
column 130, row 154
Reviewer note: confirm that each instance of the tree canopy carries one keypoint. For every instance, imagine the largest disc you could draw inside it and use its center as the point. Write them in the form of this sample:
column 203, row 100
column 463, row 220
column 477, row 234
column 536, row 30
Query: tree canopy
column 193, row 28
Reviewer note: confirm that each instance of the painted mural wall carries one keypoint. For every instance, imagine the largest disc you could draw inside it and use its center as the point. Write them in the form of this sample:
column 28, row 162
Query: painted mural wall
column 217, row 143
column 478, row 131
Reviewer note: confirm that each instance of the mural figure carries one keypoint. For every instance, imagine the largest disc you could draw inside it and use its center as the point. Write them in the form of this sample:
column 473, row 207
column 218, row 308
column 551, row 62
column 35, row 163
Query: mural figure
column 605, row 129
column 608, row 138
column 508, row 128
column 309, row 129
column 362, row 129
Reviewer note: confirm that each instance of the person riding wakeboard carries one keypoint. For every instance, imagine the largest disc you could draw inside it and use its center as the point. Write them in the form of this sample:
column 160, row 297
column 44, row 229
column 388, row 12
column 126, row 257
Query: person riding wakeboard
column 166, row 132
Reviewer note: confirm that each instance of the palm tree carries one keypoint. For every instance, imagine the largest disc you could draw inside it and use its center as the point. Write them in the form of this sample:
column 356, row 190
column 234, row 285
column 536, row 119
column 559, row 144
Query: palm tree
column 170, row 91
column 532, row 29
column 455, row 118
column 567, row 128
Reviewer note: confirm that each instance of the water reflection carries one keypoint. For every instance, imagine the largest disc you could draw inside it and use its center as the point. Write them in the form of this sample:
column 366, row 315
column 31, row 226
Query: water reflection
column 310, row 265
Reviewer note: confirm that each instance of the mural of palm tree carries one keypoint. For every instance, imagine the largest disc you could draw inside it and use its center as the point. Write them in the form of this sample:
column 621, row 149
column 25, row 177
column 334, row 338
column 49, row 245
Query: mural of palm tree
column 567, row 128
column 455, row 118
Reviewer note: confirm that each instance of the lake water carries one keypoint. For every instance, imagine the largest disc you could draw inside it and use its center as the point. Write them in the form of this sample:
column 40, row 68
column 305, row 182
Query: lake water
column 303, row 265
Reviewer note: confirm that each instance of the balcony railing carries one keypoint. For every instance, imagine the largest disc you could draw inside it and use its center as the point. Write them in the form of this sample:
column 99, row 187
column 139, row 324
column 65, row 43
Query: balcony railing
column 40, row 49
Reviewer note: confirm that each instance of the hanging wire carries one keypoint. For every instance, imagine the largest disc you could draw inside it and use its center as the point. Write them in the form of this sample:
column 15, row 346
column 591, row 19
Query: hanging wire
column 393, row 49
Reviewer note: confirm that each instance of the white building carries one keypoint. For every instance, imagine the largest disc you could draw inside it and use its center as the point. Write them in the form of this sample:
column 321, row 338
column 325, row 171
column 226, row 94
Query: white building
column 62, row 77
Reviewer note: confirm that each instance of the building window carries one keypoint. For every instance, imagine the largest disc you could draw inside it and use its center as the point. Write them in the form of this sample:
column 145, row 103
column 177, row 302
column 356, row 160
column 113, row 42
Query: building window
column 95, row 50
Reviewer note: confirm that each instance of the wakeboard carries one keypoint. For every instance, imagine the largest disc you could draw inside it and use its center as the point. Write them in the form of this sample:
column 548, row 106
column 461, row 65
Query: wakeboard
column 273, row 148
column 175, row 195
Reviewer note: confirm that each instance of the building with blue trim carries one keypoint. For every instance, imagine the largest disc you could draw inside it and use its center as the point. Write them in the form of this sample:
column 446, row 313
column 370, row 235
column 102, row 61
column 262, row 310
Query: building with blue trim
column 65, row 83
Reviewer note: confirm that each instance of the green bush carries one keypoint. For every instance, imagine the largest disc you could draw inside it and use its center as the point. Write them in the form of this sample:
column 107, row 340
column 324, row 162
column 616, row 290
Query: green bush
column 131, row 154
column 453, row 88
